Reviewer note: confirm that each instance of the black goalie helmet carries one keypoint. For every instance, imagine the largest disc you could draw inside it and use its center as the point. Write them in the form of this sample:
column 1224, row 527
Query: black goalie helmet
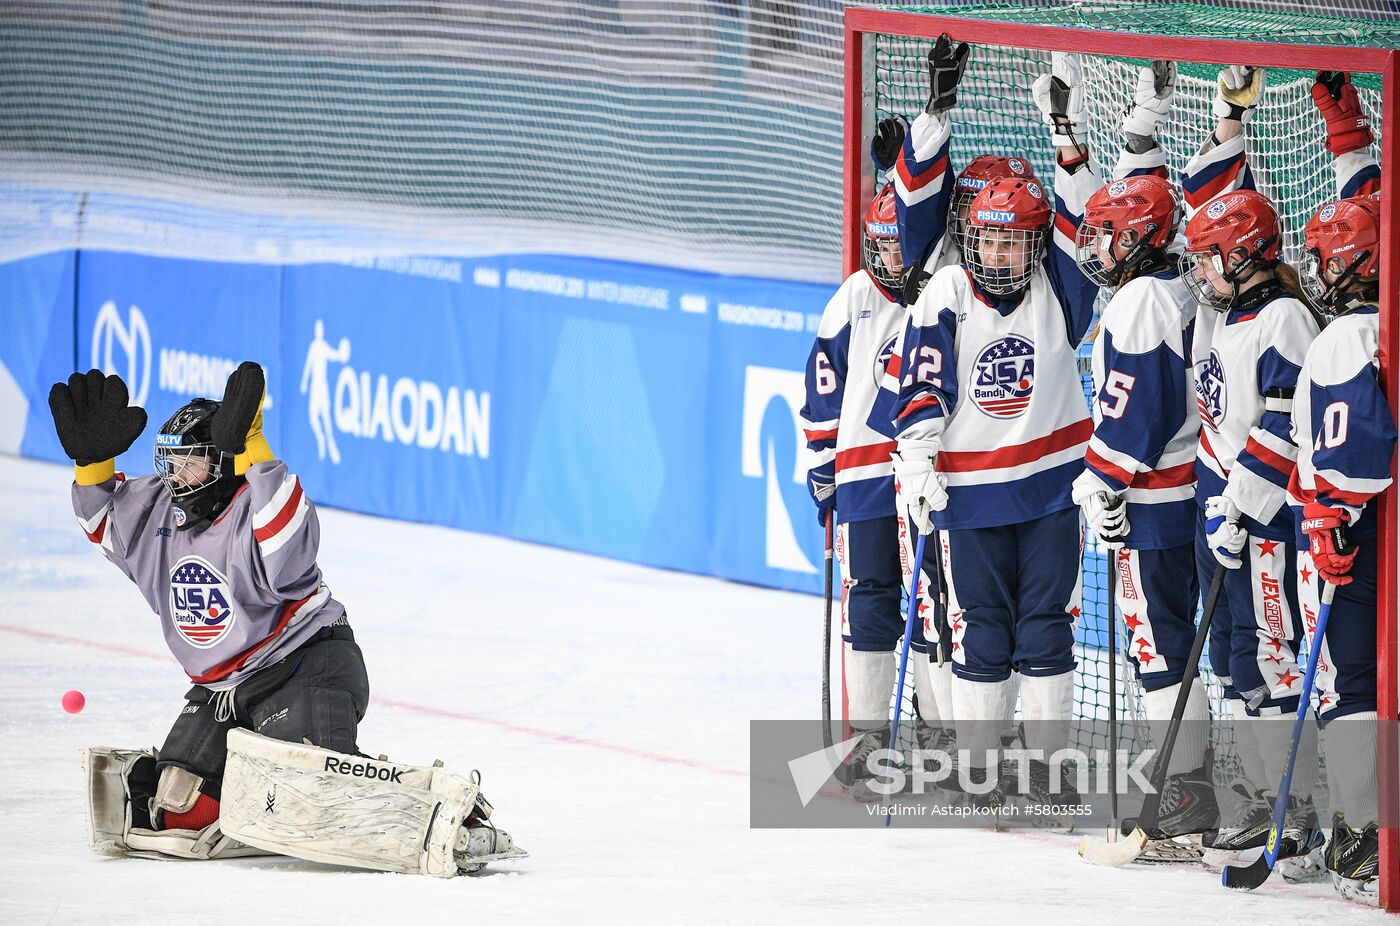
column 198, row 475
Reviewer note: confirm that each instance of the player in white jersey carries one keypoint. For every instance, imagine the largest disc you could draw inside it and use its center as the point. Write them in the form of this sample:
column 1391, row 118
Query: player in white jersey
column 850, row 445
column 222, row 544
column 1346, row 439
column 1251, row 333
column 1137, row 490
column 992, row 432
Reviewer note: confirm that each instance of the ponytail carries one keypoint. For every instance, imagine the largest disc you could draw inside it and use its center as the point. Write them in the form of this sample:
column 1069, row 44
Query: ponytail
column 1289, row 279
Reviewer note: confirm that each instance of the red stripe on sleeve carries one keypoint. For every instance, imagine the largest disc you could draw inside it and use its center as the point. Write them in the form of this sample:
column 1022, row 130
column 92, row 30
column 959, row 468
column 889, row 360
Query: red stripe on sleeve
column 96, row 536
column 271, row 529
column 922, row 402
column 814, row 436
column 865, row 456
column 1354, row 499
column 1099, row 463
column 912, row 183
column 1268, row 457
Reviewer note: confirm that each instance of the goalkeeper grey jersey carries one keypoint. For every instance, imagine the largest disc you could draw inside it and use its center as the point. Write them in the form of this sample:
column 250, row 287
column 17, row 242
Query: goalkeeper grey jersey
column 234, row 597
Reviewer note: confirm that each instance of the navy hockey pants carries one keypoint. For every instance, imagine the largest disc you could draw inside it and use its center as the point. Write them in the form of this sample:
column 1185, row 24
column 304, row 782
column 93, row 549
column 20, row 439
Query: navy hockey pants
column 1346, row 670
column 1255, row 633
column 1012, row 597
column 1156, row 593
column 872, row 579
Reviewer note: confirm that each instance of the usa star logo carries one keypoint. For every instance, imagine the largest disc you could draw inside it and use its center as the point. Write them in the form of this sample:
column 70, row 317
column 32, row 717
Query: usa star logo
column 1003, row 377
column 201, row 605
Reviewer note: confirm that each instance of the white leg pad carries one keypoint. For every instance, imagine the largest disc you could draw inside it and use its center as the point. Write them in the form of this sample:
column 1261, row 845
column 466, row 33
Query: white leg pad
column 325, row 806
column 934, row 683
column 114, row 814
column 978, row 708
column 1351, row 766
column 1046, row 704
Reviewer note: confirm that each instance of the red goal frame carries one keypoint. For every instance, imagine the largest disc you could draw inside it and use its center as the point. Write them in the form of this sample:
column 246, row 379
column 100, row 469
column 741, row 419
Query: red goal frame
column 861, row 25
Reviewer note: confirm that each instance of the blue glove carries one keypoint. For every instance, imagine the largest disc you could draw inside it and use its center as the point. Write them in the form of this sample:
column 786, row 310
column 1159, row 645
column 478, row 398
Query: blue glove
column 821, row 482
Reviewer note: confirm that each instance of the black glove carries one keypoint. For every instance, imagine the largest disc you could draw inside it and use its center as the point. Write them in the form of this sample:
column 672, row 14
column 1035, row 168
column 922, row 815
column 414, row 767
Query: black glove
column 1333, row 81
column 915, row 279
column 93, row 418
column 243, row 398
column 946, row 62
column 888, row 141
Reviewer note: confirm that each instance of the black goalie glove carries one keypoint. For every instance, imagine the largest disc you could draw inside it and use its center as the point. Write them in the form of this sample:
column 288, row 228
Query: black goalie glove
column 946, row 62
column 243, row 398
column 888, row 141
column 93, row 417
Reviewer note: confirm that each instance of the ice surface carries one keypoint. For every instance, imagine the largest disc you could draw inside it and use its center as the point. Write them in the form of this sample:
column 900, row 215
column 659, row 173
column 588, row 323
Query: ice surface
column 606, row 705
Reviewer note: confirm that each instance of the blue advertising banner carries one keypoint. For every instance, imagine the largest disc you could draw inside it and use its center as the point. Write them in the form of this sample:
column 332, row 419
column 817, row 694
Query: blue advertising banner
column 632, row 412
column 174, row 330
column 36, row 350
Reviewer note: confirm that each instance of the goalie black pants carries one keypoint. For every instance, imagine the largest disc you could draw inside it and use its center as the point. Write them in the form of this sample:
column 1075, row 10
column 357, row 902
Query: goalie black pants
column 318, row 693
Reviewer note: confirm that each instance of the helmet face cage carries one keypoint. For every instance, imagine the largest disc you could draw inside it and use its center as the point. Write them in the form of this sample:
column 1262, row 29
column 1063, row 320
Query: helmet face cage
column 875, row 263
column 1092, row 242
column 1002, row 260
column 1201, row 289
column 187, row 470
column 1325, row 296
column 958, row 207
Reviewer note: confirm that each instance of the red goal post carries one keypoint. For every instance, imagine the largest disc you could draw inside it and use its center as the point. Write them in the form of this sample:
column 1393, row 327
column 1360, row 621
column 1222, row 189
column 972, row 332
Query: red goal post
column 862, row 25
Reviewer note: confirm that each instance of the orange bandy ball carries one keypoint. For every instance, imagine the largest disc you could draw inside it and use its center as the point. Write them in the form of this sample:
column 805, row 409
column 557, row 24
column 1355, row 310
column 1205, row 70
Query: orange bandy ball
column 73, row 701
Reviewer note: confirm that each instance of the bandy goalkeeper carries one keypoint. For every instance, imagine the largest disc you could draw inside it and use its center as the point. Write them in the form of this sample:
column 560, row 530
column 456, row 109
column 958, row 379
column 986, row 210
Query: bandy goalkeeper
column 222, row 543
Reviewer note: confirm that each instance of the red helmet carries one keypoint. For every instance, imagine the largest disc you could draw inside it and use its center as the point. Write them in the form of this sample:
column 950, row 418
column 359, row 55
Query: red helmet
column 1343, row 239
column 1007, row 230
column 980, row 171
column 1239, row 223
column 1138, row 214
column 882, row 225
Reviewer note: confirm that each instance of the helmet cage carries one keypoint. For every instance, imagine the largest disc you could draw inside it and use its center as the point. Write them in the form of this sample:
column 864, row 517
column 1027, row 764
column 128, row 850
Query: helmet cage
column 958, row 207
column 1326, row 296
column 885, row 275
column 1242, row 270
column 1094, row 240
column 188, row 470
column 1030, row 243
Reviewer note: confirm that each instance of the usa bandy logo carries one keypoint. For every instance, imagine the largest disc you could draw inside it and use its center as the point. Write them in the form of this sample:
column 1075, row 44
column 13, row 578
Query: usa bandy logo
column 1003, row 377
column 1210, row 390
column 882, row 359
column 200, row 606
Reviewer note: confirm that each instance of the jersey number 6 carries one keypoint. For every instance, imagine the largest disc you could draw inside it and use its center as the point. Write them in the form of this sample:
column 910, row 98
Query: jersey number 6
column 1113, row 399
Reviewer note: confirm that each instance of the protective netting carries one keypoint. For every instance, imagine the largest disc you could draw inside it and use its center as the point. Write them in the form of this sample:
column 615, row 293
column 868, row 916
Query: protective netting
column 995, row 114
column 703, row 134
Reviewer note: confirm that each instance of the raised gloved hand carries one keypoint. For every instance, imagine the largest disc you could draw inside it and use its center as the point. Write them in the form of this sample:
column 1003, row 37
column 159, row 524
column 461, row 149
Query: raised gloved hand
column 1332, row 554
column 821, row 483
column 237, row 426
column 1060, row 97
column 94, row 418
column 946, row 63
column 888, row 141
column 1105, row 511
column 1224, row 535
column 1237, row 92
column 918, row 483
column 1348, row 129
column 1152, row 99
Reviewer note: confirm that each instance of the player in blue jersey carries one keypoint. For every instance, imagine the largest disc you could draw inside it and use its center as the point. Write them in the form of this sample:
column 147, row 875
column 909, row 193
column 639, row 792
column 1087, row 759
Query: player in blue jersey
column 1346, row 439
column 992, row 431
column 1252, row 331
column 1137, row 490
column 849, row 467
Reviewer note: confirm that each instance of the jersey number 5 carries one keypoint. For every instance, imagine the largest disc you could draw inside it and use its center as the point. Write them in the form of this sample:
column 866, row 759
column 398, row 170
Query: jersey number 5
column 1113, row 399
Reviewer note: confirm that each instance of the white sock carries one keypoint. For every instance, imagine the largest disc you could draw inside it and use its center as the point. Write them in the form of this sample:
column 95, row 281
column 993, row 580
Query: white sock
column 1193, row 736
column 1351, row 766
column 1274, row 734
column 869, row 683
column 1013, row 694
column 977, row 710
column 1246, row 747
column 1046, row 705
column 933, row 684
